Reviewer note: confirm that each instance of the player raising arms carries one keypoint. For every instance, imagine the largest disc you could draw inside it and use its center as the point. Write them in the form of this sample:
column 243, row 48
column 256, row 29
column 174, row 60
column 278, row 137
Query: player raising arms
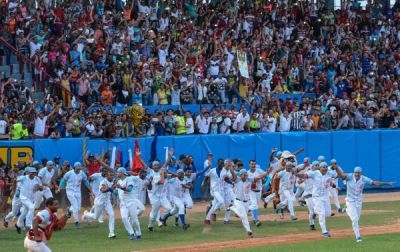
column 43, row 225
column 355, row 185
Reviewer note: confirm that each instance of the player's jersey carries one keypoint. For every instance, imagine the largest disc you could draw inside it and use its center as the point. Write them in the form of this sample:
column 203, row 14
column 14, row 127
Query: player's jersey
column 188, row 181
column 128, row 196
column 102, row 197
column 274, row 164
column 242, row 189
column 321, row 183
column 26, row 186
column 251, row 175
column 215, row 181
column 335, row 180
column 95, row 184
column 226, row 173
column 175, row 188
column 45, row 175
column 158, row 190
column 355, row 187
column 287, row 181
column 74, row 180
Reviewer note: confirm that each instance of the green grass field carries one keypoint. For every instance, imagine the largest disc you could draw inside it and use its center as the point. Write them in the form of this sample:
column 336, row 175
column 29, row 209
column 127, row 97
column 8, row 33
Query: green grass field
column 92, row 237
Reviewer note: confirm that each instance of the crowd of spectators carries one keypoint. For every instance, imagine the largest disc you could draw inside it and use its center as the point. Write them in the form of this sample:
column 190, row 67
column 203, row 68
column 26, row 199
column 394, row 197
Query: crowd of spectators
column 102, row 53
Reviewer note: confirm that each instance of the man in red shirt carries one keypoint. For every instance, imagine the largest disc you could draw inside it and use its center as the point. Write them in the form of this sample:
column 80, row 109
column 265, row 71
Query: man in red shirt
column 92, row 164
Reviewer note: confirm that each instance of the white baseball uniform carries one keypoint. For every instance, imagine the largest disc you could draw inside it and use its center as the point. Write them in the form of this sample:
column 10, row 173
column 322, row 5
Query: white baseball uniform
column 334, row 193
column 286, row 187
column 26, row 187
column 34, row 246
column 229, row 194
column 16, row 206
column 241, row 202
column 102, row 201
column 46, row 176
column 320, row 194
column 216, row 190
column 307, row 196
column 300, row 186
column 354, row 199
column 128, row 204
column 255, row 193
column 73, row 183
column 175, row 191
column 158, row 198
column 187, row 198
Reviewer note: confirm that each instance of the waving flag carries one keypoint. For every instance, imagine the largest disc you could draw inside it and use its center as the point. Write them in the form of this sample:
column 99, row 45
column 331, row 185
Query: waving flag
column 137, row 164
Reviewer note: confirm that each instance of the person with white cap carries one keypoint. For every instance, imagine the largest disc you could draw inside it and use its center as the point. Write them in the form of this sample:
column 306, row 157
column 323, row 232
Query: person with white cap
column 27, row 185
column 48, row 178
column 286, row 190
column 355, row 186
column 302, row 168
column 255, row 193
column 72, row 181
column 241, row 202
column 216, row 190
column 321, row 159
column 322, row 180
column 307, row 196
column 227, row 187
column 102, row 202
column 334, row 191
column 127, row 204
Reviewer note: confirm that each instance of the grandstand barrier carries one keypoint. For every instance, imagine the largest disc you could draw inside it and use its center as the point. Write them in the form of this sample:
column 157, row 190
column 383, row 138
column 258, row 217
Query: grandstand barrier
column 376, row 151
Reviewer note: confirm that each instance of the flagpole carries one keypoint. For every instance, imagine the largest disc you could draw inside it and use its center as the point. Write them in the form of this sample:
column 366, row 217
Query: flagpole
column 112, row 165
column 130, row 159
column 166, row 154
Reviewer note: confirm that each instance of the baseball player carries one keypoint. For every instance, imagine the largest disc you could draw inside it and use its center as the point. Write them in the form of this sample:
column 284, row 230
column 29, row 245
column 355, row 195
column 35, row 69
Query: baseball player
column 72, row 182
column 286, row 187
column 227, row 185
column 307, row 196
column 216, row 190
column 144, row 184
column 48, row 177
column 27, row 185
column 255, row 193
column 242, row 200
column 176, row 187
column 304, row 167
column 355, row 186
column 102, row 202
column 334, row 193
column 188, row 179
column 322, row 180
column 128, row 207
column 95, row 179
column 43, row 225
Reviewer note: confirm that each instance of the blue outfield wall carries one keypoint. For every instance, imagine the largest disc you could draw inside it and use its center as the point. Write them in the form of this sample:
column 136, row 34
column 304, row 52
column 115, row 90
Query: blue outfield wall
column 376, row 151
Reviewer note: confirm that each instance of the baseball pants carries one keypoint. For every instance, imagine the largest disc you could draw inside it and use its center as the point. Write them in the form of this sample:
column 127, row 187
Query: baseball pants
column 15, row 208
column 299, row 191
column 217, row 203
column 229, row 196
column 27, row 211
column 187, row 200
column 323, row 209
column 241, row 208
column 99, row 207
column 335, row 195
column 129, row 216
column 156, row 204
column 353, row 210
column 270, row 198
column 255, row 198
column 310, row 205
column 46, row 193
column 76, row 202
column 287, row 199
column 34, row 246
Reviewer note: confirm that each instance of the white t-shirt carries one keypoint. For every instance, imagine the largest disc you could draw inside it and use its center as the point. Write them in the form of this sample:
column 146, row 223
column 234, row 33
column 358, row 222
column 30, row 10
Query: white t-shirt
column 241, row 121
column 225, row 126
column 284, row 123
column 40, row 125
column 3, row 127
column 190, row 130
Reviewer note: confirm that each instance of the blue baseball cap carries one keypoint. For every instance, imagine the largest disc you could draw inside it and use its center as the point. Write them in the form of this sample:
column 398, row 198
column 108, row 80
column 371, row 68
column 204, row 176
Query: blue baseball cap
column 122, row 170
column 155, row 162
column 357, row 169
column 290, row 164
column 179, row 171
column 306, row 159
column 315, row 163
column 322, row 164
column 242, row 171
column 279, row 153
column 321, row 158
column 35, row 163
column 333, row 161
column 26, row 169
column 76, row 164
column 32, row 170
column 50, row 163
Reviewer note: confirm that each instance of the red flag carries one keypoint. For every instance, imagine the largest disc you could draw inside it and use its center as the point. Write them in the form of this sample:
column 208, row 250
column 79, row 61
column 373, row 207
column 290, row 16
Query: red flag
column 137, row 164
column 118, row 159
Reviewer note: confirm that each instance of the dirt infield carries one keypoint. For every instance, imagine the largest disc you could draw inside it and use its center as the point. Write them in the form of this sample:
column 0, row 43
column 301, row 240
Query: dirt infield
column 286, row 239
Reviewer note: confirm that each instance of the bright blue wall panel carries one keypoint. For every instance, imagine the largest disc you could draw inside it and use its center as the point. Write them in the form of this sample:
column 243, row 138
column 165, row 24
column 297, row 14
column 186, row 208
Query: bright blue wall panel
column 293, row 141
column 368, row 153
column 390, row 155
column 319, row 143
column 264, row 143
column 242, row 147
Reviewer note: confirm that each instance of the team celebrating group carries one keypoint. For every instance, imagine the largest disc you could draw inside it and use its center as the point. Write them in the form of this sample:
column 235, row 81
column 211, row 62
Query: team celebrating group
column 168, row 186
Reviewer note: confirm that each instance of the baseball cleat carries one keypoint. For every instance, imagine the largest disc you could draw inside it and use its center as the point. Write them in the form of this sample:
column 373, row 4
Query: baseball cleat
column 265, row 204
column 293, row 218
column 326, row 235
column 139, row 237
column 258, row 223
column 100, row 220
column 312, row 227
column 358, row 239
column 77, row 225
column 68, row 212
column 18, row 229
column 132, row 237
column 214, row 217
column 302, row 203
column 150, row 229
column 5, row 223
column 250, row 234
column 112, row 236
column 341, row 210
column 207, row 222
column 332, row 214
column 176, row 224
column 186, row 226
column 227, row 222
